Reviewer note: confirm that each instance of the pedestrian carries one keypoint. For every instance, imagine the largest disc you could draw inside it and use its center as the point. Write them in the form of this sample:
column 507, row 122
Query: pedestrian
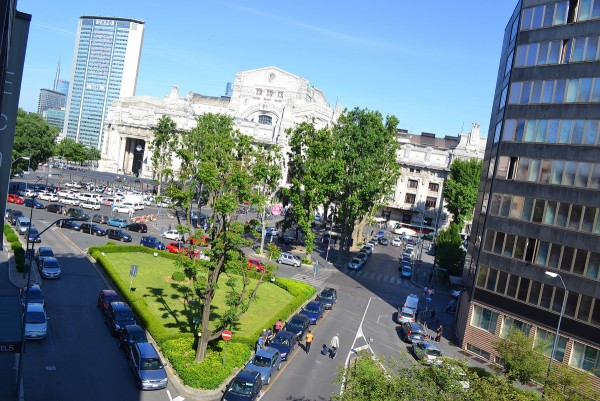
column 333, row 345
column 269, row 334
column 430, row 292
column 260, row 343
column 130, row 214
column 309, row 340
column 278, row 325
column 430, row 277
column 425, row 289
column 440, row 331
column 432, row 315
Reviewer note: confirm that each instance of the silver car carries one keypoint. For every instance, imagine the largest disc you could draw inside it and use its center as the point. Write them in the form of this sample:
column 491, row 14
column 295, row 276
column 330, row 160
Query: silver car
column 427, row 352
column 266, row 361
column 355, row 264
column 289, row 259
column 147, row 367
column 36, row 322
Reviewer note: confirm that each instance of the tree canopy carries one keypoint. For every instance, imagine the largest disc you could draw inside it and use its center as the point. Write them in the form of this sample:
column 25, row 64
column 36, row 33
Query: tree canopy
column 460, row 189
column 163, row 146
column 34, row 138
column 450, row 254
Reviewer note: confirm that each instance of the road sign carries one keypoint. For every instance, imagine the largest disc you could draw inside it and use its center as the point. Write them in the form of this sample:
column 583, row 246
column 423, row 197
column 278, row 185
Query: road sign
column 226, row 335
column 133, row 270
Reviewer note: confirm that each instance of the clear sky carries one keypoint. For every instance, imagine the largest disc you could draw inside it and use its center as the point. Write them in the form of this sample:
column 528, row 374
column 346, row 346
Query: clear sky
column 432, row 64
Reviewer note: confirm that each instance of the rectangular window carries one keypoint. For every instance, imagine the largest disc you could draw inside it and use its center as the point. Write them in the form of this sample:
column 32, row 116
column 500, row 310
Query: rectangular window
column 502, row 170
column 410, row 198
column 585, row 88
column 430, row 202
column 546, row 171
column 482, row 276
column 550, row 214
column 559, row 90
column 534, row 292
column 547, row 92
column 509, row 245
column 516, row 207
column 557, row 172
column 583, row 175
column 577, row 134
column 547, row 339
column 540, row 135
column 413, row 183
column 559, row 293
column 585, row 307
column 566, row 261
column 536, row 92
column 489, row 240
column 546, row 299
column 515, row 92
column 529, row 131
column 596, row 313
column 561, row 216
column 585, row 357
column 527, row 209
column 512, row 168
column 523, row 169
column 495, row 204
column 505, row 206
column 595, row 177
column 523, row 289
column 509, row 324
column 433, row 186
column 565, row 131
column 542, row 253
column 491, row 281
column 484, row 319
column 591, row 132
column 554, row 256
column 513, row 283
column 553, row 126
column 570, row 172
column 588, row 219
column 499, row 243
column 502, row 280
column 521, row 56
column 534, row 170
column 508, row 131
column 571, row 305
column 520, row 248
column 575, row 217
column 593, row 266
column 538, row 211
column 530, row 250
column 580, row 261
column 531, row 55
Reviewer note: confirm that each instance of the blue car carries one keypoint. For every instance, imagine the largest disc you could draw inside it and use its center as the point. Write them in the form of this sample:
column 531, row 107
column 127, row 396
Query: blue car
column 33, row 235
column 285, row 342
column 118, row 222
column 314, row 311
column 152, row 242
column 34, row 203
column 245, row 386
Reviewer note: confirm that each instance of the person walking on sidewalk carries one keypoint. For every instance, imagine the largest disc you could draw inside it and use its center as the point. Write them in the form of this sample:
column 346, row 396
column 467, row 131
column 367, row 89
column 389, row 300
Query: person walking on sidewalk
column 309, row 340
column 440, row 331
column 334, row 345
column 278, row 325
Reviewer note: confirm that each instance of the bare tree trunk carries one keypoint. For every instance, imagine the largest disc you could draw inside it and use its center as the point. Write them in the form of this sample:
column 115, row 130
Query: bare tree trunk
column 262, row 231
column 205, row 333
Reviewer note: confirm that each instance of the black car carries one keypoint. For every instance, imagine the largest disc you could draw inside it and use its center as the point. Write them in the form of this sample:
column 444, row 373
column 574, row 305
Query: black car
column 99, row 218
column 245, row 386
column 138, row 227
column 55, row 208
column 90, row 228
column 285, row 239
column 130, row 335
column 78, row 213
column 327, row 297
column 43, row 252
column 70, row 224
column 117, row 234
column 383, row 241
column 118, row 315
column 34, row 203
column 412, row 331
column 298, row 325
column 14, row 215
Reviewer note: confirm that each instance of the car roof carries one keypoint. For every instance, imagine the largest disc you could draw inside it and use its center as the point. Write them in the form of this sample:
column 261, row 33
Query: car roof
column 147, row 350
column 119, row 305
column 35, row 308
column 109, row 292
column 314, row 303
column 267, row 351
column 284, row 334
column 298, row 315
column 247, row 375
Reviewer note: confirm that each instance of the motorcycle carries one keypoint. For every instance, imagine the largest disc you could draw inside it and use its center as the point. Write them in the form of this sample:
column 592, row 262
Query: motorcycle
column 451, row 307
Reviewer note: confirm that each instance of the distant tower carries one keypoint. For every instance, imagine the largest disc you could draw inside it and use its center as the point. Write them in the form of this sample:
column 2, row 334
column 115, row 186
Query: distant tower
column 50, row 99
column 229, row 89
column 105, row 67
column 57, row 77
column 60, row 85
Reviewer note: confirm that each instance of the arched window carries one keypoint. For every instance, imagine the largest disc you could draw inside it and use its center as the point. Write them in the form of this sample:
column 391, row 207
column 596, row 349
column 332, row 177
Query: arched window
column 263, row 119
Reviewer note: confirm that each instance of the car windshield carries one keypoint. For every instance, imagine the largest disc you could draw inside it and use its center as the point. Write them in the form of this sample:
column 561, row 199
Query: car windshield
column 434, row 352
column 35, row 317
column 138, row 337
column 326, row 295
column 125, row 315
column 296, row 322
column 150, row 364
column 406, row 269
column 49, row 263
column 46, row 253
column 241, row 387
column 406, row 314
column 34, row 294
column 281, row 341
column 312, row 309
column 261, row 361
column 355, row 260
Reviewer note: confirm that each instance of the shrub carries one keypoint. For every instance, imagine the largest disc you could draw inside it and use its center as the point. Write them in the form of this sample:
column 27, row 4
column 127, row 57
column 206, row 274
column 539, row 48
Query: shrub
column 111, row 243
column 306, row 260
column 178, row 276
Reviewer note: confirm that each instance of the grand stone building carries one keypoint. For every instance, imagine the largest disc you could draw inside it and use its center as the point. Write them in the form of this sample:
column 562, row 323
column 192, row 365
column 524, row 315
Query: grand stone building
column 264, row 103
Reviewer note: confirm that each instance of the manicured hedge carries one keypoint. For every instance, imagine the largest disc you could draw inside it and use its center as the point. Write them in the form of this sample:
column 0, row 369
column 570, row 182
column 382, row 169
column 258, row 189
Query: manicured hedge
column 16, row 247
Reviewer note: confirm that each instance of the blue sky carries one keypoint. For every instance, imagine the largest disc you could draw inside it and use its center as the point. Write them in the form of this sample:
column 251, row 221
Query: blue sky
column 432, row 64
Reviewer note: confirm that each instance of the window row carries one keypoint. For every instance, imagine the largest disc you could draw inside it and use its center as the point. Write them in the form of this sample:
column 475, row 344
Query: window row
column 558, row 52
column 575, row 132
column 544, row 16
column 566, row 215
column 543, row 295
column 543, row 253
column 575, row 90
column 566, row 173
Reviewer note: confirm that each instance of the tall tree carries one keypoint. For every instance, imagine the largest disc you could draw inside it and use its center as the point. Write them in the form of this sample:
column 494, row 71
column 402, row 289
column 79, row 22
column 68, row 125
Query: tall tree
column 34, row 138
column 367, row 147
column 65, row 148
column 221, row 159
column 522, row 358
column 450, row 253
column 460, row 189
column 163, row 145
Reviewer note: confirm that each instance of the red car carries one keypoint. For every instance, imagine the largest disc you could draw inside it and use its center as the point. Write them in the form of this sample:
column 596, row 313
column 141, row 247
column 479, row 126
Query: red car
column 197, row 241
column 175, row 247
column 256, row 264
column 14, row 198
column 105, row 298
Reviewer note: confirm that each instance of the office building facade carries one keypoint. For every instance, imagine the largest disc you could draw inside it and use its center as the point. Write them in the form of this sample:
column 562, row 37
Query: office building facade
column 55, row 117
column 105, row 68
column 538, row 210
column 50, row 99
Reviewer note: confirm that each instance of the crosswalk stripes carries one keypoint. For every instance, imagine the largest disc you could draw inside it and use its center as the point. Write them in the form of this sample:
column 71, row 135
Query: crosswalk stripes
column 314, row 280
column 381, row 277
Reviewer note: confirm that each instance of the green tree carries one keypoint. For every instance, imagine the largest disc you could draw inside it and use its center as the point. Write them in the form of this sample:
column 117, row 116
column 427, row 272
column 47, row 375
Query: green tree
column 64, row 148
column 569, row 384
column 450, row 254
column 367, row 147
column 522, row 359
column 163, row 146
column 34, row 138
column 92, row 155
column 460, row 189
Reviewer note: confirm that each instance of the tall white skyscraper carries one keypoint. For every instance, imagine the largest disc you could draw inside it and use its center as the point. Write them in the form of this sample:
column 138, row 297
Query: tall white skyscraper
column 105, row 68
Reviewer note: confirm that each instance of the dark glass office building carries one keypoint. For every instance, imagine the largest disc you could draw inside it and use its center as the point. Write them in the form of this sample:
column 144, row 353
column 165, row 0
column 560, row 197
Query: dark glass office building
column 535, row 245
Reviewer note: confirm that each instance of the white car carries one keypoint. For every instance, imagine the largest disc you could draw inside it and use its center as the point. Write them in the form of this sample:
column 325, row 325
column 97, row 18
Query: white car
column 90, row 204
column 172, row 235
column 164, row 203
column 396, row 242
column 138, row 206
column 49, row 196
column 124, row 208
column 70, row 201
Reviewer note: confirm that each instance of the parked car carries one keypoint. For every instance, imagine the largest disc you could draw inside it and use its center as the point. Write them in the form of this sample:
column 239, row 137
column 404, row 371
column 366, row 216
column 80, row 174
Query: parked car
column 49, row 268
column 285, row 342
column 70, row 201
column 406, row 271
column 49, row 196
column 32, row 294
column 138, row 227
column 175, row 247
column 14, row 215
column 314, row 311
column 328, row 297
column 34, row 203
column 131, row 335
column 298, row 325
column 100, row 219
column 362, row 256
column 173, row 235
column 118, row 315
column 256, row 264
column 383, row 241
column 36, row 322
column 266, row 361
column 77, row 213
column 412, row 332
column 355, row 264
column 289, row 259
column 69, row 224
column 117, row 234
column 396, row 242
column 23, row 224
column 43, row 252
column 118, row 222
column 427, row 352
column 245, row 386
column 15, row 198
column 285, row 239
column 272, row 231
column 148, row 370
column 367, row 249
column 93, row 229
column 406, row 315
column 55, row 208
column 105, row 298
column 33, row 235
column 152, row 242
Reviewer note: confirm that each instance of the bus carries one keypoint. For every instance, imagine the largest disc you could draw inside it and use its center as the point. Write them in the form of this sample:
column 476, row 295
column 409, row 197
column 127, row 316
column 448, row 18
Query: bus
column 411, row 229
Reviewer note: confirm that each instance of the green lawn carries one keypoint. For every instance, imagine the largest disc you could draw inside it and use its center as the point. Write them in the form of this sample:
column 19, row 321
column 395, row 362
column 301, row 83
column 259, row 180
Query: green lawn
column 169, row 300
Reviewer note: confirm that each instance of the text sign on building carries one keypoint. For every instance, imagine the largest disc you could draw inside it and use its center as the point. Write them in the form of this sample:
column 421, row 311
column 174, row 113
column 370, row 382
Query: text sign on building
column 103, row 22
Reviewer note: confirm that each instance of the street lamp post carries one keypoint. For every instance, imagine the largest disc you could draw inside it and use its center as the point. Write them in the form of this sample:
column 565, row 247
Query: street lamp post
column 17, row 159
column 421, row 239
column 562, row 311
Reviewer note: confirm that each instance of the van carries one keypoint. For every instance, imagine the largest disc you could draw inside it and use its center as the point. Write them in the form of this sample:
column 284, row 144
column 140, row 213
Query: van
column 90, row 204
column 90, row 197
column 23, row 224
column 412, row 302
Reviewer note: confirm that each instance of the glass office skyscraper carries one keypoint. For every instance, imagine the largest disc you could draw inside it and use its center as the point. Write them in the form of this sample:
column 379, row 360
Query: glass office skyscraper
column 535, row 243
column 105, row 68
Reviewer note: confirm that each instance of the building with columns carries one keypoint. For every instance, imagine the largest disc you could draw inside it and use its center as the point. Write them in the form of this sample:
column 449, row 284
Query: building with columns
column 417, row 200
column 264, row 103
